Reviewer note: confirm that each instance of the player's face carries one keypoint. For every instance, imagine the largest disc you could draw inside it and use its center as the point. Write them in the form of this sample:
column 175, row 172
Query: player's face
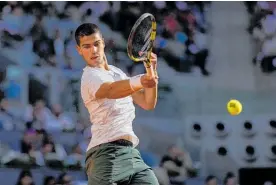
column 91, row 48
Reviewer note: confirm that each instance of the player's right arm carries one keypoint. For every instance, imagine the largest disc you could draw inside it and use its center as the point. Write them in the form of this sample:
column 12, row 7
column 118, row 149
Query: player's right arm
column 100, row 86
column 115, row 90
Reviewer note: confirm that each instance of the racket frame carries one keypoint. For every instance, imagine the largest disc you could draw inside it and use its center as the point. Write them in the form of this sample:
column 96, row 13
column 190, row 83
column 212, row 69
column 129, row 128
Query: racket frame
column 146, row 60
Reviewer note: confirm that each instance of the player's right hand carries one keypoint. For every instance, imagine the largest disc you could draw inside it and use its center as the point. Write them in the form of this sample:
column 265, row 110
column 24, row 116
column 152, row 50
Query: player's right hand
column 148, row 81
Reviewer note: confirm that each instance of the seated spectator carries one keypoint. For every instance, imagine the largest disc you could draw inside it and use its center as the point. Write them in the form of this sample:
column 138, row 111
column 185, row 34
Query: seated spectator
column 178, row 165
column 25, row 178
column 50, row 156
column 40, row 136
column 59, row 121
column 27, row 141
column 230, row 179
column 28, row 114
column 42, row 46
column 59, row 50
column 39, row 111
column 211, row 180
column 171, row 25
column 41, row 115
column 31, row 144
column 64, row 179
column 53, row 151
column 49, row 180
column 196, row 50
column 161, row 173
column 9, row 120
column 263, row 29
column 76, row 159
column 50, row 153
column 37, row 31
column 13, row 158
column 6, row 118
column 27, row 144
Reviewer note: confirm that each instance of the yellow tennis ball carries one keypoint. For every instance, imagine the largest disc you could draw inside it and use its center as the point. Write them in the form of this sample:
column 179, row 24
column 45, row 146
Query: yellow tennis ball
column 234, row 107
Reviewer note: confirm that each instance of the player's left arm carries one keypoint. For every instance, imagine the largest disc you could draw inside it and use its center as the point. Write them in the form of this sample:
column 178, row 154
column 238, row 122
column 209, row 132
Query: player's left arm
column 147, row 97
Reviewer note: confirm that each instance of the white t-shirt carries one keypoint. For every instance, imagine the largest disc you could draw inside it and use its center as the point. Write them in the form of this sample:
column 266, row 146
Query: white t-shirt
column 111, row 118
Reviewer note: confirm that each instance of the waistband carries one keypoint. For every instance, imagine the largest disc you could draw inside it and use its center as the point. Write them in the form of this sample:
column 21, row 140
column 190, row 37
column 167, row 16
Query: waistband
column 122, row 142
column 119, row 142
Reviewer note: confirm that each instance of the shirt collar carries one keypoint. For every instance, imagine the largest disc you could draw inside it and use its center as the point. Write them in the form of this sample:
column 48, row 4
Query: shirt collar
column 97, row 68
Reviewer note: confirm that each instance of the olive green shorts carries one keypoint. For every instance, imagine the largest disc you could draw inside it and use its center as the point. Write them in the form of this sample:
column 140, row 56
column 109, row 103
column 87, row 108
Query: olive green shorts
column 116, row 164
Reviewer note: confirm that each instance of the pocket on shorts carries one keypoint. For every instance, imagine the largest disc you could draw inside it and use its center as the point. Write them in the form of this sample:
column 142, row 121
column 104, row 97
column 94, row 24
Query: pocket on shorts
column 89, row 166
column 99, row 165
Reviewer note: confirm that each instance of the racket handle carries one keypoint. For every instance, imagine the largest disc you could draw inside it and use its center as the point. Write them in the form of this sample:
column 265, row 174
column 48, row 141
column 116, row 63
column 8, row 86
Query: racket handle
column 150, row 71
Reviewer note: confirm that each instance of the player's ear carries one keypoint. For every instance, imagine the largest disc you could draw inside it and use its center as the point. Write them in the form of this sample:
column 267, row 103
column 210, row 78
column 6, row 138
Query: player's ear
column 78, row 48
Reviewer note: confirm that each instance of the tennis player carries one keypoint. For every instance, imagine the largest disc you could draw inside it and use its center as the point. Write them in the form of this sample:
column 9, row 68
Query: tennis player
column 108, row 94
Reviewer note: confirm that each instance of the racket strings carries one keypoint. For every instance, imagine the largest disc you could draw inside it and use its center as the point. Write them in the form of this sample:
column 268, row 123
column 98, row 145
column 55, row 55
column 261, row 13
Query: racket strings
column 146, row 46
column 141, row 39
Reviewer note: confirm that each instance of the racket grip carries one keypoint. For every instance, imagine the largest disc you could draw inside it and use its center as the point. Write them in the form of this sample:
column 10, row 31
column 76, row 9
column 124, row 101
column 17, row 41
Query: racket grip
column 150, row 71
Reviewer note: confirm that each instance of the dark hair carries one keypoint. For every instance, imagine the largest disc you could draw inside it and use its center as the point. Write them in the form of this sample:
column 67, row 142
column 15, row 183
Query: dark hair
column 209, row 178
column 85, row 30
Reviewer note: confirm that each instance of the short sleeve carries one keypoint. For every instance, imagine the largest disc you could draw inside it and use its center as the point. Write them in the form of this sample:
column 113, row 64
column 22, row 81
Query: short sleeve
column 93, row 81
column 124, row 76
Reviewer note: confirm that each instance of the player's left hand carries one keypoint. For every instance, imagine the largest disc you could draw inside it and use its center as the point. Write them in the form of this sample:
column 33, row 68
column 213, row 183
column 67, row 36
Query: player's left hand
column 153, row 59
column 148, row 81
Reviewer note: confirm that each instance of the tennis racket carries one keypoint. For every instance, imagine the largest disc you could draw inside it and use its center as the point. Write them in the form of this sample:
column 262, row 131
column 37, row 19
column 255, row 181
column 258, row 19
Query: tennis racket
column 141, row 39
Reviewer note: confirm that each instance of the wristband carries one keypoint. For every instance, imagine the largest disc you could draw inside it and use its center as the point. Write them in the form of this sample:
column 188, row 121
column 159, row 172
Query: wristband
column 135, row 82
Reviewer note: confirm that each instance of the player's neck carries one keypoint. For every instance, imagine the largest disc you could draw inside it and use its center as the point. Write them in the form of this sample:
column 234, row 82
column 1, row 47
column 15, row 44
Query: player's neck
column 105, row 64
column 106, row 67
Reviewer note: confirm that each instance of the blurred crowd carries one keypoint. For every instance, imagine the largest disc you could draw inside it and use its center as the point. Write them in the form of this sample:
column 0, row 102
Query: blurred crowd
column 50, row 138
column 26, row 178
column 42, row 33
column 37, row 116
column 262, row 27
column 174, row 168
